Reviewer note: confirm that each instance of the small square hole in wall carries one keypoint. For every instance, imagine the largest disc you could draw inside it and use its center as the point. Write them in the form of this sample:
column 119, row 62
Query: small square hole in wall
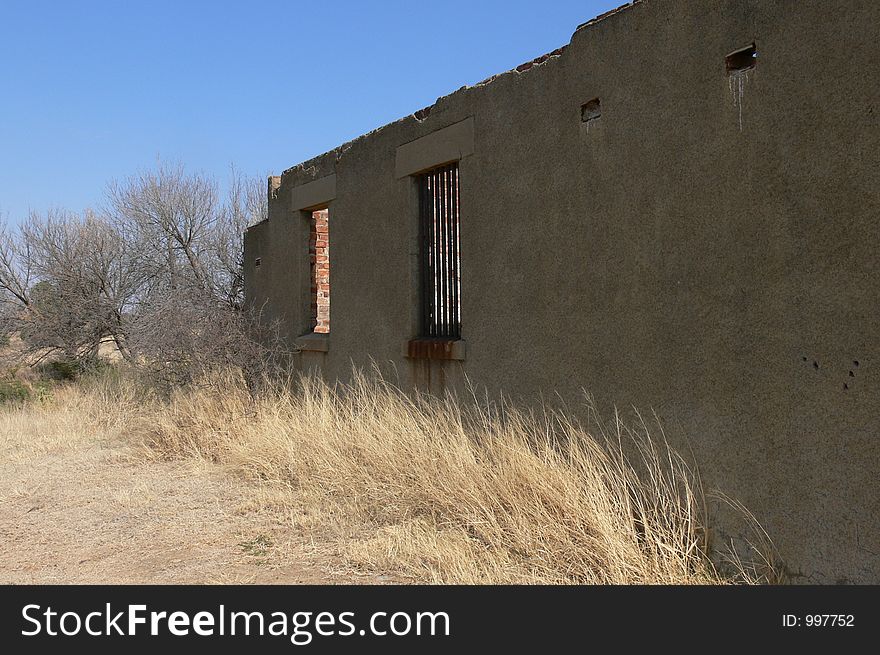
column 591, row 110
column 742, row 60
column 258, row 261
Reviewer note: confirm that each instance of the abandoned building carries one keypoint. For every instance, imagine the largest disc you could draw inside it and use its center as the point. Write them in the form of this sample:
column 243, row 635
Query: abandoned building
column 679, row 211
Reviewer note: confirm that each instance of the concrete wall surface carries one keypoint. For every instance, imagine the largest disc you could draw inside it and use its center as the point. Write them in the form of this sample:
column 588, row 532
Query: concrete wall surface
column 706, row 247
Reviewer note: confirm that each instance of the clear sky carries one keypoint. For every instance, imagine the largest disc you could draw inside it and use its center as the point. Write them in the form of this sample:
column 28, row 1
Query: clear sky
column 94, row 90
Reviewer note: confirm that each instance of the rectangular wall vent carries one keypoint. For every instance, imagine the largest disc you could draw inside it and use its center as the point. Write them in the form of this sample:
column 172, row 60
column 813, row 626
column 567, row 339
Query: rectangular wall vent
column 591, row 110
column 742, row 60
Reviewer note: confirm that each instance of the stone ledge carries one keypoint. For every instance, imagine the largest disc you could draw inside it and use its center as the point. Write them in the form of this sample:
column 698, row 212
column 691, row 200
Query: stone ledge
column 313, row 194
column 427, row 348
column 435, row 149
column 313, row 342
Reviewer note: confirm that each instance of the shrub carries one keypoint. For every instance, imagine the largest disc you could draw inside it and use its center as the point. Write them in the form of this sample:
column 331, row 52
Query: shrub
column 72, row 369
column 13, row 391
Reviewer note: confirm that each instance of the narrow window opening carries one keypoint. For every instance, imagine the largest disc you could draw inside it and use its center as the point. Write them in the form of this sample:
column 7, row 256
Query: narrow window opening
column 742, row 60
column 440, row 263
column 591, row 110
column 258, row 261
column 319, row 266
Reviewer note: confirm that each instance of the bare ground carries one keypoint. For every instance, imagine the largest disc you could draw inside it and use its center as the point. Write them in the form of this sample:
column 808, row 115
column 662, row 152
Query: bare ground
column 93, row 513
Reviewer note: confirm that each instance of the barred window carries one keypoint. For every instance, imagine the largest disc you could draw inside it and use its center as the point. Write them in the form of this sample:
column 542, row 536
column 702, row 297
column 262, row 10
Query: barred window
column 440, row 263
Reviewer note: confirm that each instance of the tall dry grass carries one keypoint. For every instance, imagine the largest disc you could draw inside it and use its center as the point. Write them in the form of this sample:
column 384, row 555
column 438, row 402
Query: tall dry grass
column 433, row 489
column 451, row 492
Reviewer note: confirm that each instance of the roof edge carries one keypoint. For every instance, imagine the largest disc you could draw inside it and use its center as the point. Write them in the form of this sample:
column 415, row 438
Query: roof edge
column 421, row 114
column 608, row 14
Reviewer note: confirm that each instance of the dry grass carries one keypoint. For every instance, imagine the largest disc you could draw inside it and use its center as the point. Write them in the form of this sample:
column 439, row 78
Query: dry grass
column 432, row 489
column 80, row 505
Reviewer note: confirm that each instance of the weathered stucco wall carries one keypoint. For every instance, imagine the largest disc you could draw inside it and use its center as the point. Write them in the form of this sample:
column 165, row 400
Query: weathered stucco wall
column 665, row 255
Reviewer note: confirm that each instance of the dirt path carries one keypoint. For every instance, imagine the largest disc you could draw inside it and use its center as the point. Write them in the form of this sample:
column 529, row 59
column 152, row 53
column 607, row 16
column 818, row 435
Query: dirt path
column 92, row 513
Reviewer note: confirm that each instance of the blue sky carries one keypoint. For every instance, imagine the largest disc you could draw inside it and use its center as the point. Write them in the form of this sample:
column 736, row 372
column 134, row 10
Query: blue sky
column 98, row 90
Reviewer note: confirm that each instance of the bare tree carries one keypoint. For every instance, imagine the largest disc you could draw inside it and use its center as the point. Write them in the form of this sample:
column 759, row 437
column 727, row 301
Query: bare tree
column 170, row 212
column 158, row 273
column 68, row 283
column 191, row 315
column 15, row 267
column 15, row 281
column 246, row 204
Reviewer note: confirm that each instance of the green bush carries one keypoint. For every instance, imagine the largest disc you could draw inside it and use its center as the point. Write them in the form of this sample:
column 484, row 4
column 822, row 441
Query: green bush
column 13, row 391
column 61, row 370
column 72, row 369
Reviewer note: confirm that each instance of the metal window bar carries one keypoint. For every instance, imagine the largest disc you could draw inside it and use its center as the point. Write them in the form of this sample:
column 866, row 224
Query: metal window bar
column 440, row 253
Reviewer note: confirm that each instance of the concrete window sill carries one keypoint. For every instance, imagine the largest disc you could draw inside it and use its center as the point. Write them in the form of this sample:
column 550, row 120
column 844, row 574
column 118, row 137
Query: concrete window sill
column 443, row 349
column 314, row 342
